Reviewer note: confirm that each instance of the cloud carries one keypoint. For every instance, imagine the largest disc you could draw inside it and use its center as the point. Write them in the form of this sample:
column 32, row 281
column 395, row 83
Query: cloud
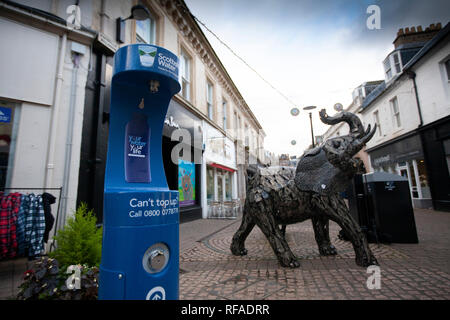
column 315, row 52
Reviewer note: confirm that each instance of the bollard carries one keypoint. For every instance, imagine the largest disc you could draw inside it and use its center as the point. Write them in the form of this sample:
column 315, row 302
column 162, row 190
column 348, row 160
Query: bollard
column 140, row 253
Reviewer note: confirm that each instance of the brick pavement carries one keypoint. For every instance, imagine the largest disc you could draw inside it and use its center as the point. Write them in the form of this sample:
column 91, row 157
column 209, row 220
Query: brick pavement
column 408, row 271
column 209, row 271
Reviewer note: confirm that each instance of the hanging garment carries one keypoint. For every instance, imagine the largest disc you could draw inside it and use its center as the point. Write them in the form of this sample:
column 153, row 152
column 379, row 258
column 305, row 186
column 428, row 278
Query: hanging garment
column 35, row 226
column 22, row 245
column 48, row 199
column 9, row 209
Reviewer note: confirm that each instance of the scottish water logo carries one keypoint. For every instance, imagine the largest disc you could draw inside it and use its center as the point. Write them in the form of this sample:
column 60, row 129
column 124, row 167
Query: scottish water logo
column 147, row 55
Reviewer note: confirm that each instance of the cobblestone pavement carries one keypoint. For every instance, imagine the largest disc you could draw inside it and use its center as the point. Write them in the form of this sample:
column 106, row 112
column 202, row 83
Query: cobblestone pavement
column 209, row 271
column 408, row 271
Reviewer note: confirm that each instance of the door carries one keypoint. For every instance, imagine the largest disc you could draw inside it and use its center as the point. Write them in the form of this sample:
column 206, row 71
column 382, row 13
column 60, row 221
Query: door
column 406, row 169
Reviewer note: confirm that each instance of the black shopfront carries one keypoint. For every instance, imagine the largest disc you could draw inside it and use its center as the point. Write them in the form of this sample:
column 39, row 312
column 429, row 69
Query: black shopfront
column 436, row 146
column 183, row 171
column 405, row 156
column 423, row 156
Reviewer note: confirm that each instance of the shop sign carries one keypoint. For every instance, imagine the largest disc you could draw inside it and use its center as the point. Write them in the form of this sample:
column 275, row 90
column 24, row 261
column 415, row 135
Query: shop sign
column 5, row 114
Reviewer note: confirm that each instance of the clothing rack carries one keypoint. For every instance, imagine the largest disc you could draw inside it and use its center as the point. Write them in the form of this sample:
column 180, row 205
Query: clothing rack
column 52, row 245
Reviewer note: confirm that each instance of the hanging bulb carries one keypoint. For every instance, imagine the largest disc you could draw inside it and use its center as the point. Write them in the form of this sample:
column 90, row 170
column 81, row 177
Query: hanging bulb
column 141, row 105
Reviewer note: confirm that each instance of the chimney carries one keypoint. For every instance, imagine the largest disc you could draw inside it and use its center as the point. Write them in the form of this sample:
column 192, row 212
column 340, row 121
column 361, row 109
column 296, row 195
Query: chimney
column 416, row 34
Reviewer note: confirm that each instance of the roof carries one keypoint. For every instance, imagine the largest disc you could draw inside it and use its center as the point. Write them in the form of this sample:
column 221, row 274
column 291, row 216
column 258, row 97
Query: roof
column 373, row 95
column 428, row 46
column 380, row 89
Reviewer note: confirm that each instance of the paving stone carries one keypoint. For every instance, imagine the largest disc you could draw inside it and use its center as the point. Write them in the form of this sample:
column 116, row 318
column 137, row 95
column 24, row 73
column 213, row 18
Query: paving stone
column 408, row 271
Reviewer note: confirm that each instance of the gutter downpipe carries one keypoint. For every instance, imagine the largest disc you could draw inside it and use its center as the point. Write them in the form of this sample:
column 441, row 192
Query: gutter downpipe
column 412, row 75
column 55, row 113
column 69, row 137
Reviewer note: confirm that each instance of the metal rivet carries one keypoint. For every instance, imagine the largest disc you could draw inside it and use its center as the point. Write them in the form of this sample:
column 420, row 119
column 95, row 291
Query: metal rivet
column 120, row 276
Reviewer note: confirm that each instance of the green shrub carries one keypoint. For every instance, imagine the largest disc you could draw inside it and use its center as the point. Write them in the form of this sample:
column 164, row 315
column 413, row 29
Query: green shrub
column 80, row 242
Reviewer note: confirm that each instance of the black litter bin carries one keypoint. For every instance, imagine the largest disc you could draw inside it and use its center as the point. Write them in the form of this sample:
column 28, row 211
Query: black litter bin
column 389, row 203
column 358, row 206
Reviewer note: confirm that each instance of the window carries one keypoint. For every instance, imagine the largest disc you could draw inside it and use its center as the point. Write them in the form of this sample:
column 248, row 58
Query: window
column 246, row 142
column 398, row 66
column 145, row 31
column 395, row 113
column 235, row 124
column 227, row 186
column 447, row 153
column 9, row 120
column 185, row 74
column 210, row 184
column 238, row 128
column 224, row 113
column 209, row 99
column 186, row 183
column 387, row 68
column 376, row 119
column 447, row 68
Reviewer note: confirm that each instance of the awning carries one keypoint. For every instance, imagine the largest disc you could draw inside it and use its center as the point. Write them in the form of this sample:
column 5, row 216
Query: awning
column 216, row 165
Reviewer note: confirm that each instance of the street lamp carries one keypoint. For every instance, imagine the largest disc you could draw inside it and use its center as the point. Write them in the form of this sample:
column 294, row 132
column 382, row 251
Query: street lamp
column 310, row 120
column 138, row 12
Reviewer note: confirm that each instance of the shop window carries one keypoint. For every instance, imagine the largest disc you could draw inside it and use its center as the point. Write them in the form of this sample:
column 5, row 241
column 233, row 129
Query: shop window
column 423, row 179
column 186, row 183
column 447, row 153
column 228, row 186
column 8, row 129
column 210, row 184
column 412, row 176
column 219, row 186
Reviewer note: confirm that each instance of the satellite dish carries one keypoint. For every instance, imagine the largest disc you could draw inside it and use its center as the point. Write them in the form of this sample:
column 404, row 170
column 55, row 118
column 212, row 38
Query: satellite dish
column 338, row 107
column 293, row 142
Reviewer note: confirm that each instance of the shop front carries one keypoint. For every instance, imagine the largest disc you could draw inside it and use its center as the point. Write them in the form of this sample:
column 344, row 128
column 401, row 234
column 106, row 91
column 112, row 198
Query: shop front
column 405, row 157
column 219, row 166
column 182, row 157
column 436, row 144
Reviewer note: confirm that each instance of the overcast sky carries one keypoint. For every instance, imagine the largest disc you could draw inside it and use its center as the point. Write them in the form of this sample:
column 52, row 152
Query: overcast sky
column 314, row 52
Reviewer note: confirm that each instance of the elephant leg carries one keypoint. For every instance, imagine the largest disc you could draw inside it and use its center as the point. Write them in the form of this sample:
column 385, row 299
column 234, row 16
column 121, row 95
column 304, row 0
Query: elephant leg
column 283, row 230
column 238, row 242
column 336, row 209
column 322, row 235
column 280, row 247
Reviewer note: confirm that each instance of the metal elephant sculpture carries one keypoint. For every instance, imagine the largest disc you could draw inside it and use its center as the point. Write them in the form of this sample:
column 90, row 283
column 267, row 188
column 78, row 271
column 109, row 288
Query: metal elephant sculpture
column 282, row 195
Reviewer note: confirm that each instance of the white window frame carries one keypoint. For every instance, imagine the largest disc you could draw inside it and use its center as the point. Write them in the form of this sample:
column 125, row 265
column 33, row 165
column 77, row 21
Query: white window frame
column 224, row 113
column 151, row 23
column 395, row 109
column 185, row 74
column 446, row 64
column 397, row 64
column 210, row 99
column 376, row 118
column 387, row 68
